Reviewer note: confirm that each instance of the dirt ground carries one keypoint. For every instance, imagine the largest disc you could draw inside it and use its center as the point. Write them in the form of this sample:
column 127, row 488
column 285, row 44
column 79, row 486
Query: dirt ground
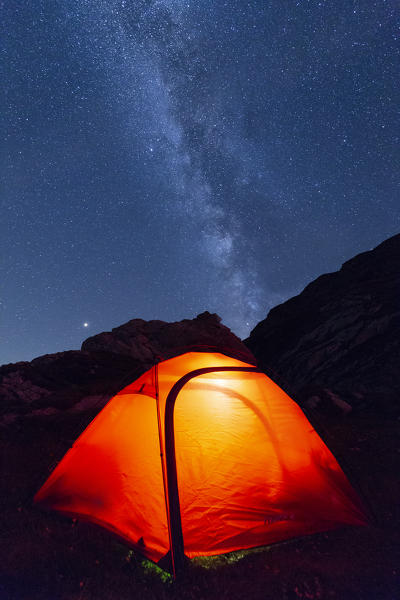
column 45, row 556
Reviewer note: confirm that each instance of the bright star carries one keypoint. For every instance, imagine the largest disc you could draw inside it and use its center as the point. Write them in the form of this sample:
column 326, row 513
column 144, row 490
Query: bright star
column 86, row 324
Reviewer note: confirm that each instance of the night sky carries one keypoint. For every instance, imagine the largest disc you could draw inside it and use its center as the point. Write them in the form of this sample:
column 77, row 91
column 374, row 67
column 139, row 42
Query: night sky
column 162, row 158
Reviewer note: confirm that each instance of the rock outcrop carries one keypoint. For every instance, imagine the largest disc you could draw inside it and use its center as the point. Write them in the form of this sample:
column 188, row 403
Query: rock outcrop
column 151, row 341
column 337, row 344
column 81, row 381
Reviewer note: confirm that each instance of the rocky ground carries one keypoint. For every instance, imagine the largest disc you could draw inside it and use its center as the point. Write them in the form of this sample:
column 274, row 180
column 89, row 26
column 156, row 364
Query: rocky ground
column 335, row 348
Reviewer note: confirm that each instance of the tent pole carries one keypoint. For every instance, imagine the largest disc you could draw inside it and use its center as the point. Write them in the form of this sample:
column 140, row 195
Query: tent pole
column 164, row 478
column 179, row 560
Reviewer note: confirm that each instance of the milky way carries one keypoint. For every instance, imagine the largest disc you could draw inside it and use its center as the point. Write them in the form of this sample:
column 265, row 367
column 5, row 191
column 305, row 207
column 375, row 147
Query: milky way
column 164, row 158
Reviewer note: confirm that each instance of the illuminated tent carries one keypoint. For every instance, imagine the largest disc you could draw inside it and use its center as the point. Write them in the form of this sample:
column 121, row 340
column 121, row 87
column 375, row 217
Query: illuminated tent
column 202, row 455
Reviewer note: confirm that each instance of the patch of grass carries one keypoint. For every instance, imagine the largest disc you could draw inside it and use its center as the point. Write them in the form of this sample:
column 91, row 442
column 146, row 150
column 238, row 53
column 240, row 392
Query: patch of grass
column 151, row 569
column 220, row 560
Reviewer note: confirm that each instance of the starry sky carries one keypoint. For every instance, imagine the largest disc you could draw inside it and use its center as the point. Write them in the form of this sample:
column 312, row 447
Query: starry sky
column 160, row 158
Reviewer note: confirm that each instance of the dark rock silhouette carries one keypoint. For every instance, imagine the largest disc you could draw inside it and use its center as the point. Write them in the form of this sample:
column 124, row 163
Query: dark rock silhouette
column 151, row 341
column 83, row 380
column 336, row 345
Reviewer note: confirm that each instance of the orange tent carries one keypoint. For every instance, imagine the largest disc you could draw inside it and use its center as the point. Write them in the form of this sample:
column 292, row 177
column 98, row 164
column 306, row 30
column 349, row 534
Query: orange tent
column 202, row 455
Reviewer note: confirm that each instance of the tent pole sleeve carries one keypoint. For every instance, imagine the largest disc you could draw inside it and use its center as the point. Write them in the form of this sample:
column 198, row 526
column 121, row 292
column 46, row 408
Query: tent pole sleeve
column 175, row 521
column 164, row 477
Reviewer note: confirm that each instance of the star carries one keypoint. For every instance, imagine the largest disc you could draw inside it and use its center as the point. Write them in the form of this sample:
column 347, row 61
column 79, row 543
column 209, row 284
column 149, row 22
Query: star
column 200, row 146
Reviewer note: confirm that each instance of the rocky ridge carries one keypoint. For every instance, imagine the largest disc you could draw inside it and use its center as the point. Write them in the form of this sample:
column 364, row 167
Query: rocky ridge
column 80, row 381
column 337, row 344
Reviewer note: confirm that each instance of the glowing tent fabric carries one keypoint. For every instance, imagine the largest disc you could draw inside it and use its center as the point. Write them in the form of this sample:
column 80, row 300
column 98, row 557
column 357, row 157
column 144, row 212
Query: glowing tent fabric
column 249, row 468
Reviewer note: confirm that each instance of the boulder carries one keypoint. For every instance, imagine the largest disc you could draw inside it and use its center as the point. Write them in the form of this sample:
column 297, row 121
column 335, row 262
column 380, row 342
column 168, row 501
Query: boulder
column 82, row 381
column 339, row 338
